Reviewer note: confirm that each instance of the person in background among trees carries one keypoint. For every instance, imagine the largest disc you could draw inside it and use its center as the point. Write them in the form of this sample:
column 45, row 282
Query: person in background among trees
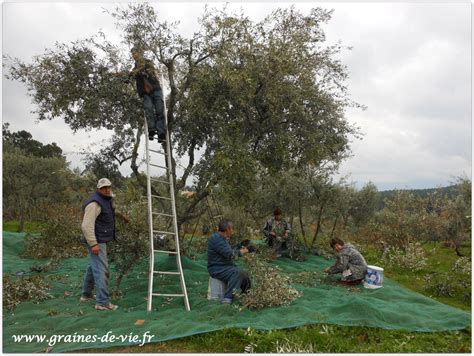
column 276, row 232
column 350, row 263
column 98, row 227
column 148, row 88
column 220, row 261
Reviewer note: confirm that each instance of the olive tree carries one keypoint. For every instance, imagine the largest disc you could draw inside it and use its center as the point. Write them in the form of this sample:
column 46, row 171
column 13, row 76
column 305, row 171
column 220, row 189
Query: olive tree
column 255, row 97
column 30, row 182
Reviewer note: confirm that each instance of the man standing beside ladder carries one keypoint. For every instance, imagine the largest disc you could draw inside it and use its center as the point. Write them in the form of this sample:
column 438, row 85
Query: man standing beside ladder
column 148, row 88
column 220, row 263
column 98, row 227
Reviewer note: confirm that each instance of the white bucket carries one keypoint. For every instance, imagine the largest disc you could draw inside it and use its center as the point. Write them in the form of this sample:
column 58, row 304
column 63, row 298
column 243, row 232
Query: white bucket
column 216, row 289
column 374, row 277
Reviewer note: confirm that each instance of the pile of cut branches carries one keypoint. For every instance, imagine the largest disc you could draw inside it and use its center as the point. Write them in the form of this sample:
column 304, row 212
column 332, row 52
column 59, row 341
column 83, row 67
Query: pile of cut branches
column 270, row 286
column 16, row 291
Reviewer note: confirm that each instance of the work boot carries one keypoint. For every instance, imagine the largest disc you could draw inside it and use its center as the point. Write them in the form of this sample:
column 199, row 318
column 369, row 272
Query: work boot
column 226, row 301
column 86, row 298
column 161, row 137
column 109, row 306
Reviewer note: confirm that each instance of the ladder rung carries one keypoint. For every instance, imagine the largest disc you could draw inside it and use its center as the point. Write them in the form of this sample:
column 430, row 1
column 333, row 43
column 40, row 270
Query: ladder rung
column 157, row 165
column 168, row 252
column 164, row 232
column 160, row 152
column 162, row 214
column 159, row 180
column 165, row 272
column 160, row 197
column 166, row 295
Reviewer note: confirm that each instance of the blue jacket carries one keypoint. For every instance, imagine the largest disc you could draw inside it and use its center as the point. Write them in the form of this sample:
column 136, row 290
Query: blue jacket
column 105, row 222
column 219, row 253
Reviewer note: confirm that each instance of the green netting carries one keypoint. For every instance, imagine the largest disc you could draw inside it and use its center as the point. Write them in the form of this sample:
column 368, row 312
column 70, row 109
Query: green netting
column 391, row 307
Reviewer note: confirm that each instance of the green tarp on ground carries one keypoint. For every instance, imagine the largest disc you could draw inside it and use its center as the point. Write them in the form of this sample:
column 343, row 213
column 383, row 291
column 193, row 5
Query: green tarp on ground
column 391, row 307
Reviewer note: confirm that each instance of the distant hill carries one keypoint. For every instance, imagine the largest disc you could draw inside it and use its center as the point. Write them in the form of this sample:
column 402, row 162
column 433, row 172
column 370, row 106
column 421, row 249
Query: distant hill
column 450, row 191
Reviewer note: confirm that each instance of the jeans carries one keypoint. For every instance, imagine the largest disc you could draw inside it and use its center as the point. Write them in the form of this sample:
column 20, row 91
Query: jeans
column 97, row 273
column 154, row 111
column 234, row 277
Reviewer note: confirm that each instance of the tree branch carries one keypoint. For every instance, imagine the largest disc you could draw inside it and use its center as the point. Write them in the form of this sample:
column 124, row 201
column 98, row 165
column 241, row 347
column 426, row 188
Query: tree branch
column 134, row 157
column 190, row 166
column 188, row 212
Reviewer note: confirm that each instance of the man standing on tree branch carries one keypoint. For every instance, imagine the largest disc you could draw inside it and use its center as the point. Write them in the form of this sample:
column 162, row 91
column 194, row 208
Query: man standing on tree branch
column 148, row 88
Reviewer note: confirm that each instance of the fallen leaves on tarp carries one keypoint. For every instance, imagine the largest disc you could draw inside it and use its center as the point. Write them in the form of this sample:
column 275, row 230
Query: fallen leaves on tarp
column 18, row 290
column 270, row 286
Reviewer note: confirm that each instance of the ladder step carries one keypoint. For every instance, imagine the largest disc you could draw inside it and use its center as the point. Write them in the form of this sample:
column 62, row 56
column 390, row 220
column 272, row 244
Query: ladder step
column 164, row 232
column 166, row 295
column 160, row 152
column 162, row 214
column 157, row 165
column 160, row 197
column 168, row 252
column 165, row 272
column 159, row 180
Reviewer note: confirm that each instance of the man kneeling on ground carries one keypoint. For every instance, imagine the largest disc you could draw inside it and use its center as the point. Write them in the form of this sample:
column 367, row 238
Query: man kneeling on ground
column 220, row 261
column 350, row 263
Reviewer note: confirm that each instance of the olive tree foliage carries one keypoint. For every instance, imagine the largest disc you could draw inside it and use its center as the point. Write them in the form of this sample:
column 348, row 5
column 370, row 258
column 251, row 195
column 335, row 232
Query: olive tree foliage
column 103, row 163
column 256, row 98
column 29, row 182
column 408, row 218
column 313, row 197
column 364, row 204
column 458, row 212
column 34, row 175
column 24, row 141
column 131, row 245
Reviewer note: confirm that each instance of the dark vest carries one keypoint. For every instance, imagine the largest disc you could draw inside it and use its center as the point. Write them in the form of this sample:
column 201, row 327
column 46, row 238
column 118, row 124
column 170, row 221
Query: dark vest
column 146, row 73
column 105, row 222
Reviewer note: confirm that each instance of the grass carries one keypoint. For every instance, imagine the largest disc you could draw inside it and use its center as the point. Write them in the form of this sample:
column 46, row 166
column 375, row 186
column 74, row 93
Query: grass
column 30, row 227
column 440, row 260
column 320, row 338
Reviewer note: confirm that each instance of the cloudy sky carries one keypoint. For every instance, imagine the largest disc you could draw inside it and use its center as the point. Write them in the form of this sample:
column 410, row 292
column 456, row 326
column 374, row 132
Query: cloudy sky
column 410, row 64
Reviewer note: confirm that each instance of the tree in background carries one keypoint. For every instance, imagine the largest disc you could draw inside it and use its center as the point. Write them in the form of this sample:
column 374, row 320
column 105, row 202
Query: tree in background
column 29, row 182
column 364, row 204
column 36, row 177
column 100, row 164
column 258, row 98
column 23, row 141
column 410, row 217
column 458, row 214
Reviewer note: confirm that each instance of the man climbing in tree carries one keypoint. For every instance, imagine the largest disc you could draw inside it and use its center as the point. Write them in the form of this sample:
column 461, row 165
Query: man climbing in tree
column 276, row 232
column 148, row 88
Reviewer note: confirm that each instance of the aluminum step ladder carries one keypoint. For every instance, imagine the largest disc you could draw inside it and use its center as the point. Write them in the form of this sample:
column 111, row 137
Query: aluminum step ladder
column 152, row 159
